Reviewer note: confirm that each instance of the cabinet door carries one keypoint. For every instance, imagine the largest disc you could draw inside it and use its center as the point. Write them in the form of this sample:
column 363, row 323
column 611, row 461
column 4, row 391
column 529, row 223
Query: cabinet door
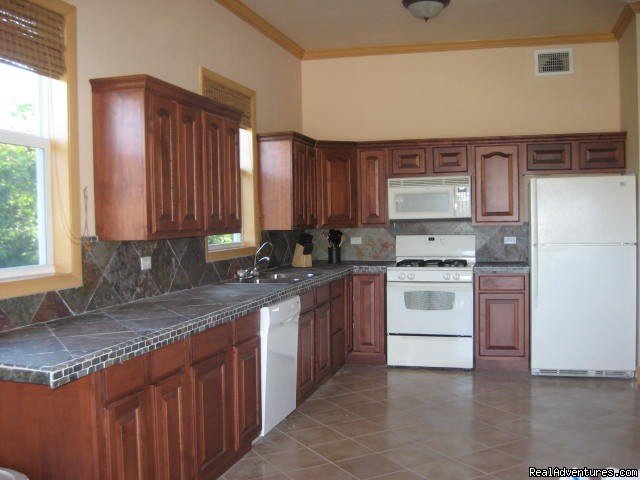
column 502, row 324
column 338, row 313
column 548, row 156
column 368, row 316
column 338, row 352
column 164, row 187
column 450, row 159
column 213, row 414
column 172, row 433
column 322, row 341
column 311, row 199
column 497, row 184
column 306, row 371
column 232, row 178
column 408, row 161
column 127, row 423
column 372, row 188
column 246, row 360
column 213, row 162
column 190, row 169
column 300, row 185
column 338, row 183
column 595, row 155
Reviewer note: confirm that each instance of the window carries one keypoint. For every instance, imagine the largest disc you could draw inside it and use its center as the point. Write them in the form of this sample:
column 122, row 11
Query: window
column 39, row 215
column 242, row 243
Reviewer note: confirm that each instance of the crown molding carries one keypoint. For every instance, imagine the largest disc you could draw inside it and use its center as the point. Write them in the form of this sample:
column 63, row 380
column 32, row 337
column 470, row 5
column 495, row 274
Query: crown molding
column 461, row 45
column 260, row 24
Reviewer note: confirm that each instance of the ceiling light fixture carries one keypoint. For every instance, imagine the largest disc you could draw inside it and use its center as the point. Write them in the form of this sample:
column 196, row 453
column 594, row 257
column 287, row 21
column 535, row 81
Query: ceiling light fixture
column 425, row 8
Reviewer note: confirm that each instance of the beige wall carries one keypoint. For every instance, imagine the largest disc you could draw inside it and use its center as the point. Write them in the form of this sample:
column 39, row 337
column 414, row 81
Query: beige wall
column 171, row 40
column 629, row 47
column 452, row 94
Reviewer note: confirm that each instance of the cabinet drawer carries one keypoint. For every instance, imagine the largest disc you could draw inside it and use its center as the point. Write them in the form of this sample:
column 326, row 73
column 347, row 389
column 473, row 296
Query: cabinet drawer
column 549, row 156
column 167, row 360
column 210, row 341
column 307, row 301
column 502, row 282
column 409, row 161
column 450, row 159
column 126, row 377
column 246, row 327
column 323, row 294
column 595, row 155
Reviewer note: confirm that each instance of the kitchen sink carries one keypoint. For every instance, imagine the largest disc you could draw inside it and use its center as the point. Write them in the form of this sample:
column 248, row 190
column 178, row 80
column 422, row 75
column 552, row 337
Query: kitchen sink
column 277, row 277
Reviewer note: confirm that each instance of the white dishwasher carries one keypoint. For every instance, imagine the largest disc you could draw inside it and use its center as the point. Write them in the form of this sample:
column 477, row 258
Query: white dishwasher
column 279, row 357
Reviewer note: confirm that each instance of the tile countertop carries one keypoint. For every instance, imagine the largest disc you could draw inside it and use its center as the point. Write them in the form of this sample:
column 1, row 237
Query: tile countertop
column 60, row 351
column 501, row 267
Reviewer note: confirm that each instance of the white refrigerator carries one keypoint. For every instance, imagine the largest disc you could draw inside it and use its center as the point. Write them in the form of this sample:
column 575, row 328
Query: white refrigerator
column 583, row 276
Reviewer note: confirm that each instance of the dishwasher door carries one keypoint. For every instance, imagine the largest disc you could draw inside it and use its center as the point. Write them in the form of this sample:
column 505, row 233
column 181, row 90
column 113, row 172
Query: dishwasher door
column 279, row 361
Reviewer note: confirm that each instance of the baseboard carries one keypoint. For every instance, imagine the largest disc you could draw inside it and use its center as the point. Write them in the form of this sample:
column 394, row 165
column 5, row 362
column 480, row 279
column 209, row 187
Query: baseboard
column 359, row 358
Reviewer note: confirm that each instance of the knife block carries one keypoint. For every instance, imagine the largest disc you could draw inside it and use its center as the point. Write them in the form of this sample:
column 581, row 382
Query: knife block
column 300, row 259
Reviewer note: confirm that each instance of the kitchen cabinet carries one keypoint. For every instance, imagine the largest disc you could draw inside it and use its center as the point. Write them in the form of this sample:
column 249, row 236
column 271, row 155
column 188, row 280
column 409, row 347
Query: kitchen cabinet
column 548, row 156
column 246, row 361
column 502, row 322
column 372, row 188
column 368, row 319
column 306, row 356
column 338, row 184
column 408, row 161
column 340, row 323
column 288, row 181
column 496, row 184
column 322, row 341
column 450, row 159
column 166, row 161
column 601, row 155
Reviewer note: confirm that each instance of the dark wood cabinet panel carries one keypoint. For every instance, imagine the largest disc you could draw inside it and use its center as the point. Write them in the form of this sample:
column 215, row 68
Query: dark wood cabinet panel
column 213, row 416
column 450, row 159
column 408, row 161
column 165, row 201
column 368, row 319
column 300, row 184
column 338, row 351
column 338, row 313
column 171, row 428
column 213, row 160
column 322, row 341
column 190, row 196
column 127, row 426
column 548, row 156
column 306, row 357
column 502, row 322
column 338, row 186
column 246, row 359
column 232, row 178
column 372, row 188
column 602, row 155
column 497, row 190
column 311, row 197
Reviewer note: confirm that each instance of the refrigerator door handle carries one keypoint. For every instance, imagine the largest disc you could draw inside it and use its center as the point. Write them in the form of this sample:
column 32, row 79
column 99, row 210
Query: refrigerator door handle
column 535, row 259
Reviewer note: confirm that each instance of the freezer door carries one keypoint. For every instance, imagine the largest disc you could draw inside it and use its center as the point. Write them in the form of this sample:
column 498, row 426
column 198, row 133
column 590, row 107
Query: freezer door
column 595, row 209
column 583, row 308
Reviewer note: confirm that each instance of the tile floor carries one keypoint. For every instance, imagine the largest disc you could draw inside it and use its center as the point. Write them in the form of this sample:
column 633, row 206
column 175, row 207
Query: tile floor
column 399, row 424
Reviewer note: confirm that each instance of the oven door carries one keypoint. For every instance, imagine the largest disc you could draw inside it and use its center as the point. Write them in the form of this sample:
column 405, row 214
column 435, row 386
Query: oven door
column 421, row 202
column 438, row 309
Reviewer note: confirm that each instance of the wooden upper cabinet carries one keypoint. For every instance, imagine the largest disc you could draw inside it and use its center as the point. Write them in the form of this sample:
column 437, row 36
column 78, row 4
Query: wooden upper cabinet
column 338, row 186
column 408, row 161
column 450, row 159
column 288, row 181
column 372, row 188
column 548, row 156
column 162, row 167
column 602, row 155
column 497, row 190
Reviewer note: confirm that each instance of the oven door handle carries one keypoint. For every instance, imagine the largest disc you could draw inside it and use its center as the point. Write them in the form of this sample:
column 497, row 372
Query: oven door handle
column 430, row 286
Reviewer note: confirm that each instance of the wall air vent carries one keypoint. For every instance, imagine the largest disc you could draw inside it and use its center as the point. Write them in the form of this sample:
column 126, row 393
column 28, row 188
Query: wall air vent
column 554, row 62
column 429, row 181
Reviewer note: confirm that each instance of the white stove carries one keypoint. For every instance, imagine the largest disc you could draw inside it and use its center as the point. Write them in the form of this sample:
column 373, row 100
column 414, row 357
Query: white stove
column 430, row 302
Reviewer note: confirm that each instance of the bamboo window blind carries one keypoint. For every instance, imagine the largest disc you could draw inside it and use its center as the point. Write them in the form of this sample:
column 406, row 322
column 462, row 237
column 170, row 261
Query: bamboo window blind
column 227, row 96
column 32, row 37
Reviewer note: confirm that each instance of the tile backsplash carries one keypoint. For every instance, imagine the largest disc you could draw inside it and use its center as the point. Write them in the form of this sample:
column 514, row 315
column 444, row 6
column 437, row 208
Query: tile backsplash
column 112, row 276
column 379, row 243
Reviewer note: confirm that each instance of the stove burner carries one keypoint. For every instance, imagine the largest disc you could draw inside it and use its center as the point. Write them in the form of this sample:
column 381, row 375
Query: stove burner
column 450, row 262
column 411, row 262
column 454, row 262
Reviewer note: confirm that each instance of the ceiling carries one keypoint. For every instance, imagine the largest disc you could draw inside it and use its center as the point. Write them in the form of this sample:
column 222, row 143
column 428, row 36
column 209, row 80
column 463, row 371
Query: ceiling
column 344, row 24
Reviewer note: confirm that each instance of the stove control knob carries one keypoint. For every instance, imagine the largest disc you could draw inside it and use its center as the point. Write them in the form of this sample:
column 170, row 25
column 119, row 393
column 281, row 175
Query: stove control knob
column 447, row 276
column 401, row 276
column 411, row 276
column 456, row 276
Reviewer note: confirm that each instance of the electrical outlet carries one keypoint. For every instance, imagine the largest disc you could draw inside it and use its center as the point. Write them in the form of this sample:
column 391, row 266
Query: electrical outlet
column 510, row 240
column 145, row 263
column 356, row 240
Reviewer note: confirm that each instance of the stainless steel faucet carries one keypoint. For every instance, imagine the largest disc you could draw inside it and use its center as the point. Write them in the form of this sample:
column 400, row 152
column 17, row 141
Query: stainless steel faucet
column 264, row 258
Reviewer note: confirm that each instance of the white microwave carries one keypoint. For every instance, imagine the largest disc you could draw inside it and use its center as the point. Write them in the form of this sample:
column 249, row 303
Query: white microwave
column 417, row 198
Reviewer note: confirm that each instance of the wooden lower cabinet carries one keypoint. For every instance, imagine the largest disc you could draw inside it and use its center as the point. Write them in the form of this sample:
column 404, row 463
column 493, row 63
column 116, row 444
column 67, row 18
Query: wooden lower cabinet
column 322, row 341
column 248, row 423
column 369, row 344
column 338, row 351
column 306, row 356
column 502, row 322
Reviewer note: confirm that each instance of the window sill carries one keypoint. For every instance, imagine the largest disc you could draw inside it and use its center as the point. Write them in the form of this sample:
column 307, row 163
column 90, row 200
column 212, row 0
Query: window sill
column 231, row 252
column 18, row 287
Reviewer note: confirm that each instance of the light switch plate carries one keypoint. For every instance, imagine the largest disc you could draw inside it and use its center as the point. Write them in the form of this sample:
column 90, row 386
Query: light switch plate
column 145, row 263
column 510, row 240
column 356, row 240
